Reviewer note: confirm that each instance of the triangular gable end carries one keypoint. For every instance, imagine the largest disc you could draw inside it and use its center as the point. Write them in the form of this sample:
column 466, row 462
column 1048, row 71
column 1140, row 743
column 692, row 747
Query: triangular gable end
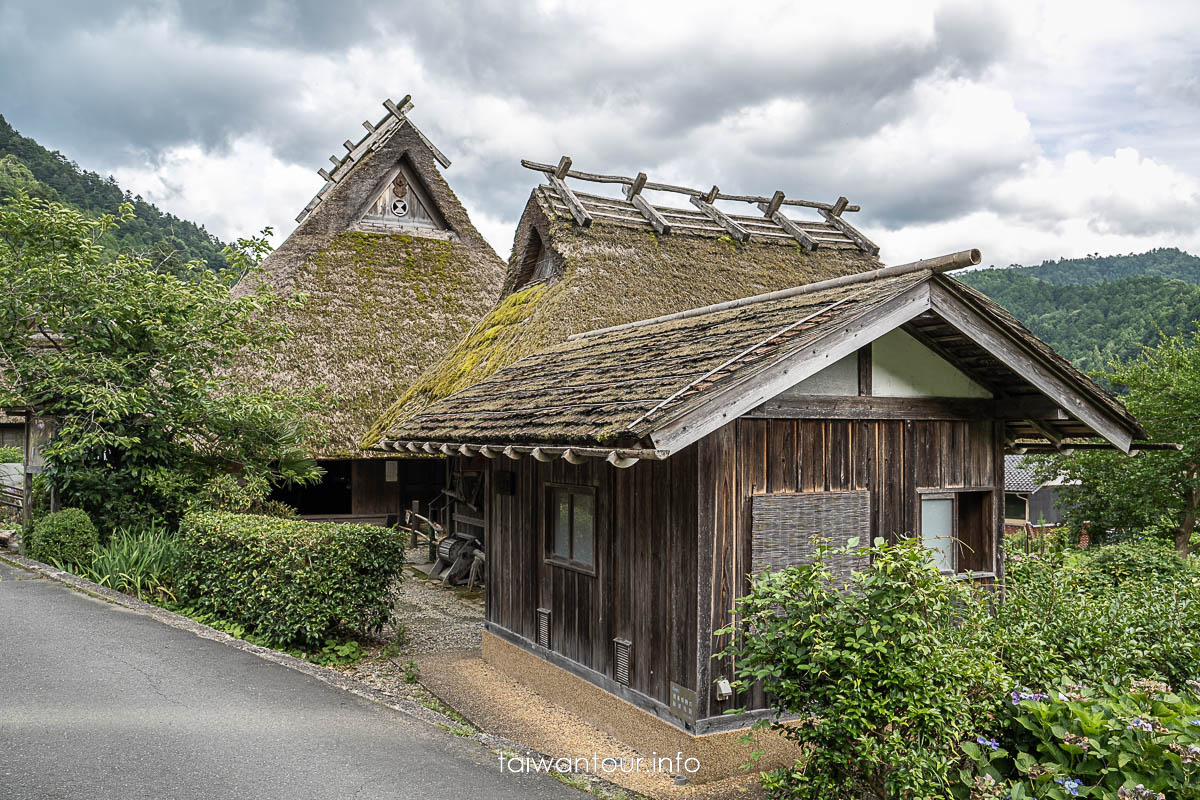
column 929, row 299
column 401, row 203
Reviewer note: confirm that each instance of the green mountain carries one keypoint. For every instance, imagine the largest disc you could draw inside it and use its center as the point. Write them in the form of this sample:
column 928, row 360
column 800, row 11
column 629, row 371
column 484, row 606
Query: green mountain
column 168, row 240
column 1100, row 308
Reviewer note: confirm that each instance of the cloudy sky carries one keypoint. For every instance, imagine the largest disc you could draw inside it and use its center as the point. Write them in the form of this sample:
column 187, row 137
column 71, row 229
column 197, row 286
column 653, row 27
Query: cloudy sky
column 1030, row 130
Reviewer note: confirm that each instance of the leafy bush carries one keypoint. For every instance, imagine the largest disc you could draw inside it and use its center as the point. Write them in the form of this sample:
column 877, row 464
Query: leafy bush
column 1146, row 560
column 289, row 581
column 1139, row 742
column 140, row 562
column 889, row 673
column 1060, row 622
column 64, row 537
column 11, row 455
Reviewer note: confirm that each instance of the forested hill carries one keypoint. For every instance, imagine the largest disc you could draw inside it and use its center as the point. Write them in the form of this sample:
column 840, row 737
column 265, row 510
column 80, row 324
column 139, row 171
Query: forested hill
column 167, row 239
column 1096, row 309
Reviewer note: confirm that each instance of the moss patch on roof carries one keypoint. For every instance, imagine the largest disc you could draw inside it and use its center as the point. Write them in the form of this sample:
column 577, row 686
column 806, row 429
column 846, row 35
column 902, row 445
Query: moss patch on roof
column 375, row 311
column 611, row 274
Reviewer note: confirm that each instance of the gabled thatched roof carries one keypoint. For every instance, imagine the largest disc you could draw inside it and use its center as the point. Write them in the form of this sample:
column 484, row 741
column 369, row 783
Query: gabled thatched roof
column 377, row 308
column 616, row 269
column 659, row 386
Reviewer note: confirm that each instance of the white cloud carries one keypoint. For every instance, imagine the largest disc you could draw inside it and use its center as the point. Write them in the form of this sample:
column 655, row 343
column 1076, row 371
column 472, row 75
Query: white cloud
column 233, row 193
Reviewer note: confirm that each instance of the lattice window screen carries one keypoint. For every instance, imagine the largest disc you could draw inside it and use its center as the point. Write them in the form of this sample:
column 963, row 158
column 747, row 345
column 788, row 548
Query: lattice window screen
column 784, row 526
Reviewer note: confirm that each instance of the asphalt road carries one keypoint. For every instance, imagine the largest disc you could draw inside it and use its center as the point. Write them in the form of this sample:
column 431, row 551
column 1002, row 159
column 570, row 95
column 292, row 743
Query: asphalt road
column 97, row 701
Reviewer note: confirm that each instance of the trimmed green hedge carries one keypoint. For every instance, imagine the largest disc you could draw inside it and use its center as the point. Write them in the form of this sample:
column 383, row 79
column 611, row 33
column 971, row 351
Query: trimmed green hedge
column 289, row 581
column 64, row 537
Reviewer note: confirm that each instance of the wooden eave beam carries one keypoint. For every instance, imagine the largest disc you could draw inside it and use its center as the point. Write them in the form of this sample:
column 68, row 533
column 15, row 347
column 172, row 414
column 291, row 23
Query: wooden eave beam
column 721, row 218
column 999, row 344
column 1048, row 433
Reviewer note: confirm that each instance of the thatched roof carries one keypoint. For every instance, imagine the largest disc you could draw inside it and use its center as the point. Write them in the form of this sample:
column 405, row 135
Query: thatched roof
column 661, row 385
column 564, row 278
column 378, row 308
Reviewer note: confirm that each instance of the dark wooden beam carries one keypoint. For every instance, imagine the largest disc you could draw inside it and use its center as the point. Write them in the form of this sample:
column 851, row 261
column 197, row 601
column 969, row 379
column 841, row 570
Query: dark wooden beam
column 864, row 371
column 837, row 407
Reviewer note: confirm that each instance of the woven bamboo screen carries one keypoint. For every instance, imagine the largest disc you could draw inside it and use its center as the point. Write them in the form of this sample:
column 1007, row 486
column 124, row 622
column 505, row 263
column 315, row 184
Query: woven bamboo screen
column 784, row 527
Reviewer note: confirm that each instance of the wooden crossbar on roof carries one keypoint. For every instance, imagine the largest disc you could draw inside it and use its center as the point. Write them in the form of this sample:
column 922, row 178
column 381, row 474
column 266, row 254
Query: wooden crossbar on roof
column 376, row 135
column 838, row 231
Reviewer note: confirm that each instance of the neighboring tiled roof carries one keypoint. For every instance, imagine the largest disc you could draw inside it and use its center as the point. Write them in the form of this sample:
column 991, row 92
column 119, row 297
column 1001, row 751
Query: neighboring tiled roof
column 1018, row 478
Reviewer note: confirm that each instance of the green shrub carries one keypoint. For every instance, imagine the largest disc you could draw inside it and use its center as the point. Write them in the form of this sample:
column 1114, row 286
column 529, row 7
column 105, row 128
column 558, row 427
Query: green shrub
column 64, row 537
column 1060, row 622
column 888, row 674
column 1146, row 560
column 140, row 562
column 289, row 581
column 11, row 455
column 1139, row 742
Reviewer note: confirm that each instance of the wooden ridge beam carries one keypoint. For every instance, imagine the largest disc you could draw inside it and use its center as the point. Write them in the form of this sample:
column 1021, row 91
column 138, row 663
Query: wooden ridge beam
column 633, row 193
column 555, row 175
column 595, row 177
column 850, row 232
column 720, row 217
column 771, row 211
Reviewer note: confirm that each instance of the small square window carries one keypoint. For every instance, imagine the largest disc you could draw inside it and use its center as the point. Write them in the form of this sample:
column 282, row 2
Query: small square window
column 571, row 534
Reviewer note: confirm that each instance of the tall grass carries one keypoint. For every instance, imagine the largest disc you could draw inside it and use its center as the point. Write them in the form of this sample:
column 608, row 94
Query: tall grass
column 136, row 561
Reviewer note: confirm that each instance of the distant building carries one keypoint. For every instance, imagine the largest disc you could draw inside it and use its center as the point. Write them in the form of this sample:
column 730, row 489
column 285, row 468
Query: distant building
column 1027, row 499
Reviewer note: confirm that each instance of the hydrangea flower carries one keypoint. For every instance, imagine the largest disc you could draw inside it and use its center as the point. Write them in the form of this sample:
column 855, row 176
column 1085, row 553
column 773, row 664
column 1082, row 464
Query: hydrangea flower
column 1019, row 696
column 1071, row 785
column 983, row 742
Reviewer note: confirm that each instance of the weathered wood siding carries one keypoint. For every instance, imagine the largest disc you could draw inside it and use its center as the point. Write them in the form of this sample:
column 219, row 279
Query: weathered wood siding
column 644, row 586
column 892, row 459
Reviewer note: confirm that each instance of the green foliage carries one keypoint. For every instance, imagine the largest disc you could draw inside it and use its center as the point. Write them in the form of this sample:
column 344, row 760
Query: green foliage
column 1097, row 310
column 11, row 455
column 1136, row 560
column 64, row 537
column 337, row 654
column 168, row 243
column 290, row 581
column 1158, row 488
column 889, row 674
column 135, row 365
column 1140, row 741
column 136, row 561
column 411, row 673
column 1073, row 622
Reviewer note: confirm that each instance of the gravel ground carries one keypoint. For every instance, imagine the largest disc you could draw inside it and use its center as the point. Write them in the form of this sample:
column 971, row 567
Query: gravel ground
column 440, row 647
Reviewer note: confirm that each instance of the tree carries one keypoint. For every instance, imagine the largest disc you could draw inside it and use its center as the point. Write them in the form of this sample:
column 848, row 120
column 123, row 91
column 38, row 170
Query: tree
column 1158, row 488
column 134, row 364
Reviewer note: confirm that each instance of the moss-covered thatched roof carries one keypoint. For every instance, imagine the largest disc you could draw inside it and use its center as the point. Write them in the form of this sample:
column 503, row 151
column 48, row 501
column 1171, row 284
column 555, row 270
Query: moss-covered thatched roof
column 612, row 272
column 377, row 309
column 622, row 388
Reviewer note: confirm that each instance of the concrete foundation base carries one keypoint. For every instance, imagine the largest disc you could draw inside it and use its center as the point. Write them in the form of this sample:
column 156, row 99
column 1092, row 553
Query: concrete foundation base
column 716, row 755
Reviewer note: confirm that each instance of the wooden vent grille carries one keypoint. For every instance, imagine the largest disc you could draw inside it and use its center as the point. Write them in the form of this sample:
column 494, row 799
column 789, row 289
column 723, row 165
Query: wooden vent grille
column 543, row 627
column 621, row 653
column 784, row 526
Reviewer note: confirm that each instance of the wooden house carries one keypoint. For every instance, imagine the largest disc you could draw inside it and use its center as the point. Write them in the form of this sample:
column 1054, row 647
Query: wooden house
column 1027, row 498
column 637, row 474
column 389, row 272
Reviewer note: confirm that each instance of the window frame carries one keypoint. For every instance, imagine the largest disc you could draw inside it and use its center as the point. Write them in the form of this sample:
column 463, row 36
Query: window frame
column 952, row 494
column 549, row 491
